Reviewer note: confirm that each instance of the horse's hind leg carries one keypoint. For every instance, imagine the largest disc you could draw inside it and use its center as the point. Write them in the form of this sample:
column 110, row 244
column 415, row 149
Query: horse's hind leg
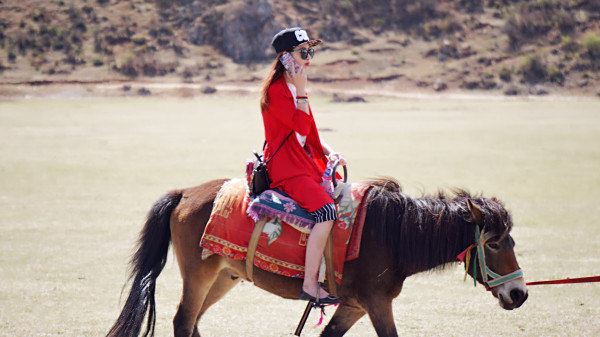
column 197, row 283
column 224, row 283
column 343, row 319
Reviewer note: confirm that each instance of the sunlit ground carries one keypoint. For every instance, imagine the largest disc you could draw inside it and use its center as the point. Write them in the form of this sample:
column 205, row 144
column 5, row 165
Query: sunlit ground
column 78, row 175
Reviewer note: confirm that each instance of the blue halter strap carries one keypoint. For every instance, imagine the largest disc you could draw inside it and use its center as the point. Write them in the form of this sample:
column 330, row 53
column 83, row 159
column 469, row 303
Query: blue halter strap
column 490, row 279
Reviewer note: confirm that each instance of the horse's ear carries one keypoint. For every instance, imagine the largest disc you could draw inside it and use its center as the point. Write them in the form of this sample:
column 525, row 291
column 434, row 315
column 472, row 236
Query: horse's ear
column 476, row 212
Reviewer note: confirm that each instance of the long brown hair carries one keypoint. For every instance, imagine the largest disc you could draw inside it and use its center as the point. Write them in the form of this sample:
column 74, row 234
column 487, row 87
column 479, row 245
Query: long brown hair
column 275, row 72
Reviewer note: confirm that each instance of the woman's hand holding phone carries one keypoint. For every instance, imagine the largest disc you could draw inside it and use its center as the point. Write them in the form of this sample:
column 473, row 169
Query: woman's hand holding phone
column 296, row 73
column 299, row 80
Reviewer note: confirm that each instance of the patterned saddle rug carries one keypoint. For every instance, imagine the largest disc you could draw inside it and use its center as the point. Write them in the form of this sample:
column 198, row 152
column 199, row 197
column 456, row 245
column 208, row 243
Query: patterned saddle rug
column 282, row 245
column 277, row 204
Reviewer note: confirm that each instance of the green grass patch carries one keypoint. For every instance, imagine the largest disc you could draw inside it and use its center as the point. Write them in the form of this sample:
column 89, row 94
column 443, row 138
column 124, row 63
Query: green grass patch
column 591, row 46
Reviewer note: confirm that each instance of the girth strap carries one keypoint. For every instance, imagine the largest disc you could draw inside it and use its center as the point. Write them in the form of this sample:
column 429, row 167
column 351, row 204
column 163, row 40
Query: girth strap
column 329, row 270
column 258, row 228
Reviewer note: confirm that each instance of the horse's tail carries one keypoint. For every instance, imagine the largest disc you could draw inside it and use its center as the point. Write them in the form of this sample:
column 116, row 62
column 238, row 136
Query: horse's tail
column 146, row 264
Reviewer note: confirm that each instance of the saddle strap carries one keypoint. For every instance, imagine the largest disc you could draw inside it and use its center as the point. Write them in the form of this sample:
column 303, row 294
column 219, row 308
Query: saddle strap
column 258, row 228
column 253, row 244
column 329, row 271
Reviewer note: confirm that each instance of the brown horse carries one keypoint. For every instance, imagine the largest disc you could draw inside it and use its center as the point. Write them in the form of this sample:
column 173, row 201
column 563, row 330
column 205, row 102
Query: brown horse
column 402, row 236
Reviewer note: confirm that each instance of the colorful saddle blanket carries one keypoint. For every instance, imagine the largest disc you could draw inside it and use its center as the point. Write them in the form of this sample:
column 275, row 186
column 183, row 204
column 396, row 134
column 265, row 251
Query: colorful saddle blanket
column 277, row 204
column 282, row 246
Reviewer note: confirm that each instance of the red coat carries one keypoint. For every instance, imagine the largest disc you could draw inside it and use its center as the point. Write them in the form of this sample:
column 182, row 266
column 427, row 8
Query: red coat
column 281, row 117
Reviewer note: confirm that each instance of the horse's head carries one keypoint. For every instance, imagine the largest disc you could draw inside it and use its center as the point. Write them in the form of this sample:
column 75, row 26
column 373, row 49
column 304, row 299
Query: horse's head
column 492, row 261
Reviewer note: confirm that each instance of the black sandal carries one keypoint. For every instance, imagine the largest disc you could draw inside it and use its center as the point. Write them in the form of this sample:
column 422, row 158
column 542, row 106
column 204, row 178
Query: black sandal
column 322, row 300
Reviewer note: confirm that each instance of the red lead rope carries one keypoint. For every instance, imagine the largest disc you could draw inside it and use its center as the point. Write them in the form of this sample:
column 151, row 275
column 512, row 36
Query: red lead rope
column 589, row 279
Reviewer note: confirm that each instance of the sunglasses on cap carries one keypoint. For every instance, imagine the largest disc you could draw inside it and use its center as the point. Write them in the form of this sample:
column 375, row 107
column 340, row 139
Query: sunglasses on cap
column 304, row 52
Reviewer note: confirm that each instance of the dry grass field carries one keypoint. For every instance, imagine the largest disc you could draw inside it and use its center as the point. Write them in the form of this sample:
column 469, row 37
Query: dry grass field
column 78, row 175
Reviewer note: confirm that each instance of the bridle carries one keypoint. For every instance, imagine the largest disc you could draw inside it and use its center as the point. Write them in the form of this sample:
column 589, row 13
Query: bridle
column 490, row 279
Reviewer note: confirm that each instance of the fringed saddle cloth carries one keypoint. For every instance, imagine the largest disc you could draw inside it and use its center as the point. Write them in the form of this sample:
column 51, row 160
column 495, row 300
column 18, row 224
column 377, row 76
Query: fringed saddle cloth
column 282, row 244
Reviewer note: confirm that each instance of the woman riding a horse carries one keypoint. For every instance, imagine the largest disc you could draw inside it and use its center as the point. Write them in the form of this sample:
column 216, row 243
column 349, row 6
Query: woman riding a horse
column 401, row 235
column 296, row 154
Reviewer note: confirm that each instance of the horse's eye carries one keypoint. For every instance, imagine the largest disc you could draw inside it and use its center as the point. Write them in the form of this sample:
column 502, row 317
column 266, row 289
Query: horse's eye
column 493, row 245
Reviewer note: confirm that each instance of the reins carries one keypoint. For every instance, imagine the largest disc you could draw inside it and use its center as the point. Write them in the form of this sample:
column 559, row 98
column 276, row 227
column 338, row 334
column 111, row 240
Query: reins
column 589, row 279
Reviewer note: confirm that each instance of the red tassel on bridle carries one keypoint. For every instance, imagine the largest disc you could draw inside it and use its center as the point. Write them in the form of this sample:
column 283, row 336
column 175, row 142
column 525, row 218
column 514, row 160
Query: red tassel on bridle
column 461, row 257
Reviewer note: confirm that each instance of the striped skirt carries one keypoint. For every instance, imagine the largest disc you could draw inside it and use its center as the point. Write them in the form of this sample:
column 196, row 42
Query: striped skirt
column 325, row 213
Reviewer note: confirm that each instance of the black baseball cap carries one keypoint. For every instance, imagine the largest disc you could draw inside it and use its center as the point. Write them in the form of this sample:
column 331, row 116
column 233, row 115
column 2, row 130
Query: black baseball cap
column 289, row 38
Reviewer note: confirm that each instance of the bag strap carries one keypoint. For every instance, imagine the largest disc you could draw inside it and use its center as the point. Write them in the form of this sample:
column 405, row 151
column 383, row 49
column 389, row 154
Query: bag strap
column 280, row 145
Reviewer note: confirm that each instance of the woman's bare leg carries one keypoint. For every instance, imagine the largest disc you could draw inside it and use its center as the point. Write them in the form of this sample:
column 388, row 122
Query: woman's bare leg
column 315, row 246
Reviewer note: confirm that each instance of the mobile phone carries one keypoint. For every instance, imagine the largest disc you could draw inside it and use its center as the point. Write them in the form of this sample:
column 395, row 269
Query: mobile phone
column 288, row 62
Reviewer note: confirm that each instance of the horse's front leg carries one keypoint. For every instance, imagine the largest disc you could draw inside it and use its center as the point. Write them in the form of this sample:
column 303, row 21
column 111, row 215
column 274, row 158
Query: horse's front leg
column 343, row 319
column 380, row 313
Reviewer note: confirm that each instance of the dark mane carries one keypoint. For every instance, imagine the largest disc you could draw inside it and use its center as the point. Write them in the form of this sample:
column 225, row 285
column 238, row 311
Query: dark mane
column 428, row 232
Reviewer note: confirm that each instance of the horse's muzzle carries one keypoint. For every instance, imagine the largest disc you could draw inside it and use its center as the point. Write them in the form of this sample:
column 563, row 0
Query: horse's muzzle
column 511, row 295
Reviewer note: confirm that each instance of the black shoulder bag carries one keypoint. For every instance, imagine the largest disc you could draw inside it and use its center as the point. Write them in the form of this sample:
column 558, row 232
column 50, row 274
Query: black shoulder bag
column 260, row 181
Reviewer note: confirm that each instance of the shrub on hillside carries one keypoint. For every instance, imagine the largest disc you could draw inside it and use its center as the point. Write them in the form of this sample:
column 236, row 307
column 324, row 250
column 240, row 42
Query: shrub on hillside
column 439, row 27
column 162, row 34
column 591, row 5
column 568, row 44
column 127, row 64
column 534, row 69
column 74, row 57
column 505, row 74
column 555, row 75
column 39, row 15
column 133, row 65
column 391, row 14
column 413, row 12
column 139, row 39
column 77, row 19
column 591, row 47
column 532, row 19
column 3, row 26
column 115, row 34
column 11, row 53
column 471, row 5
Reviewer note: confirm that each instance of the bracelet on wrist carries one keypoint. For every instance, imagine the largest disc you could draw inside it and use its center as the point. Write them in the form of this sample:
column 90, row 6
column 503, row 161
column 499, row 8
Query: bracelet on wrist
column 299, row 97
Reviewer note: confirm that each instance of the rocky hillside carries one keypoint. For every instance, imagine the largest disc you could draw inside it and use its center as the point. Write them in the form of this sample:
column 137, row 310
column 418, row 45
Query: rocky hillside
column 506, row 46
